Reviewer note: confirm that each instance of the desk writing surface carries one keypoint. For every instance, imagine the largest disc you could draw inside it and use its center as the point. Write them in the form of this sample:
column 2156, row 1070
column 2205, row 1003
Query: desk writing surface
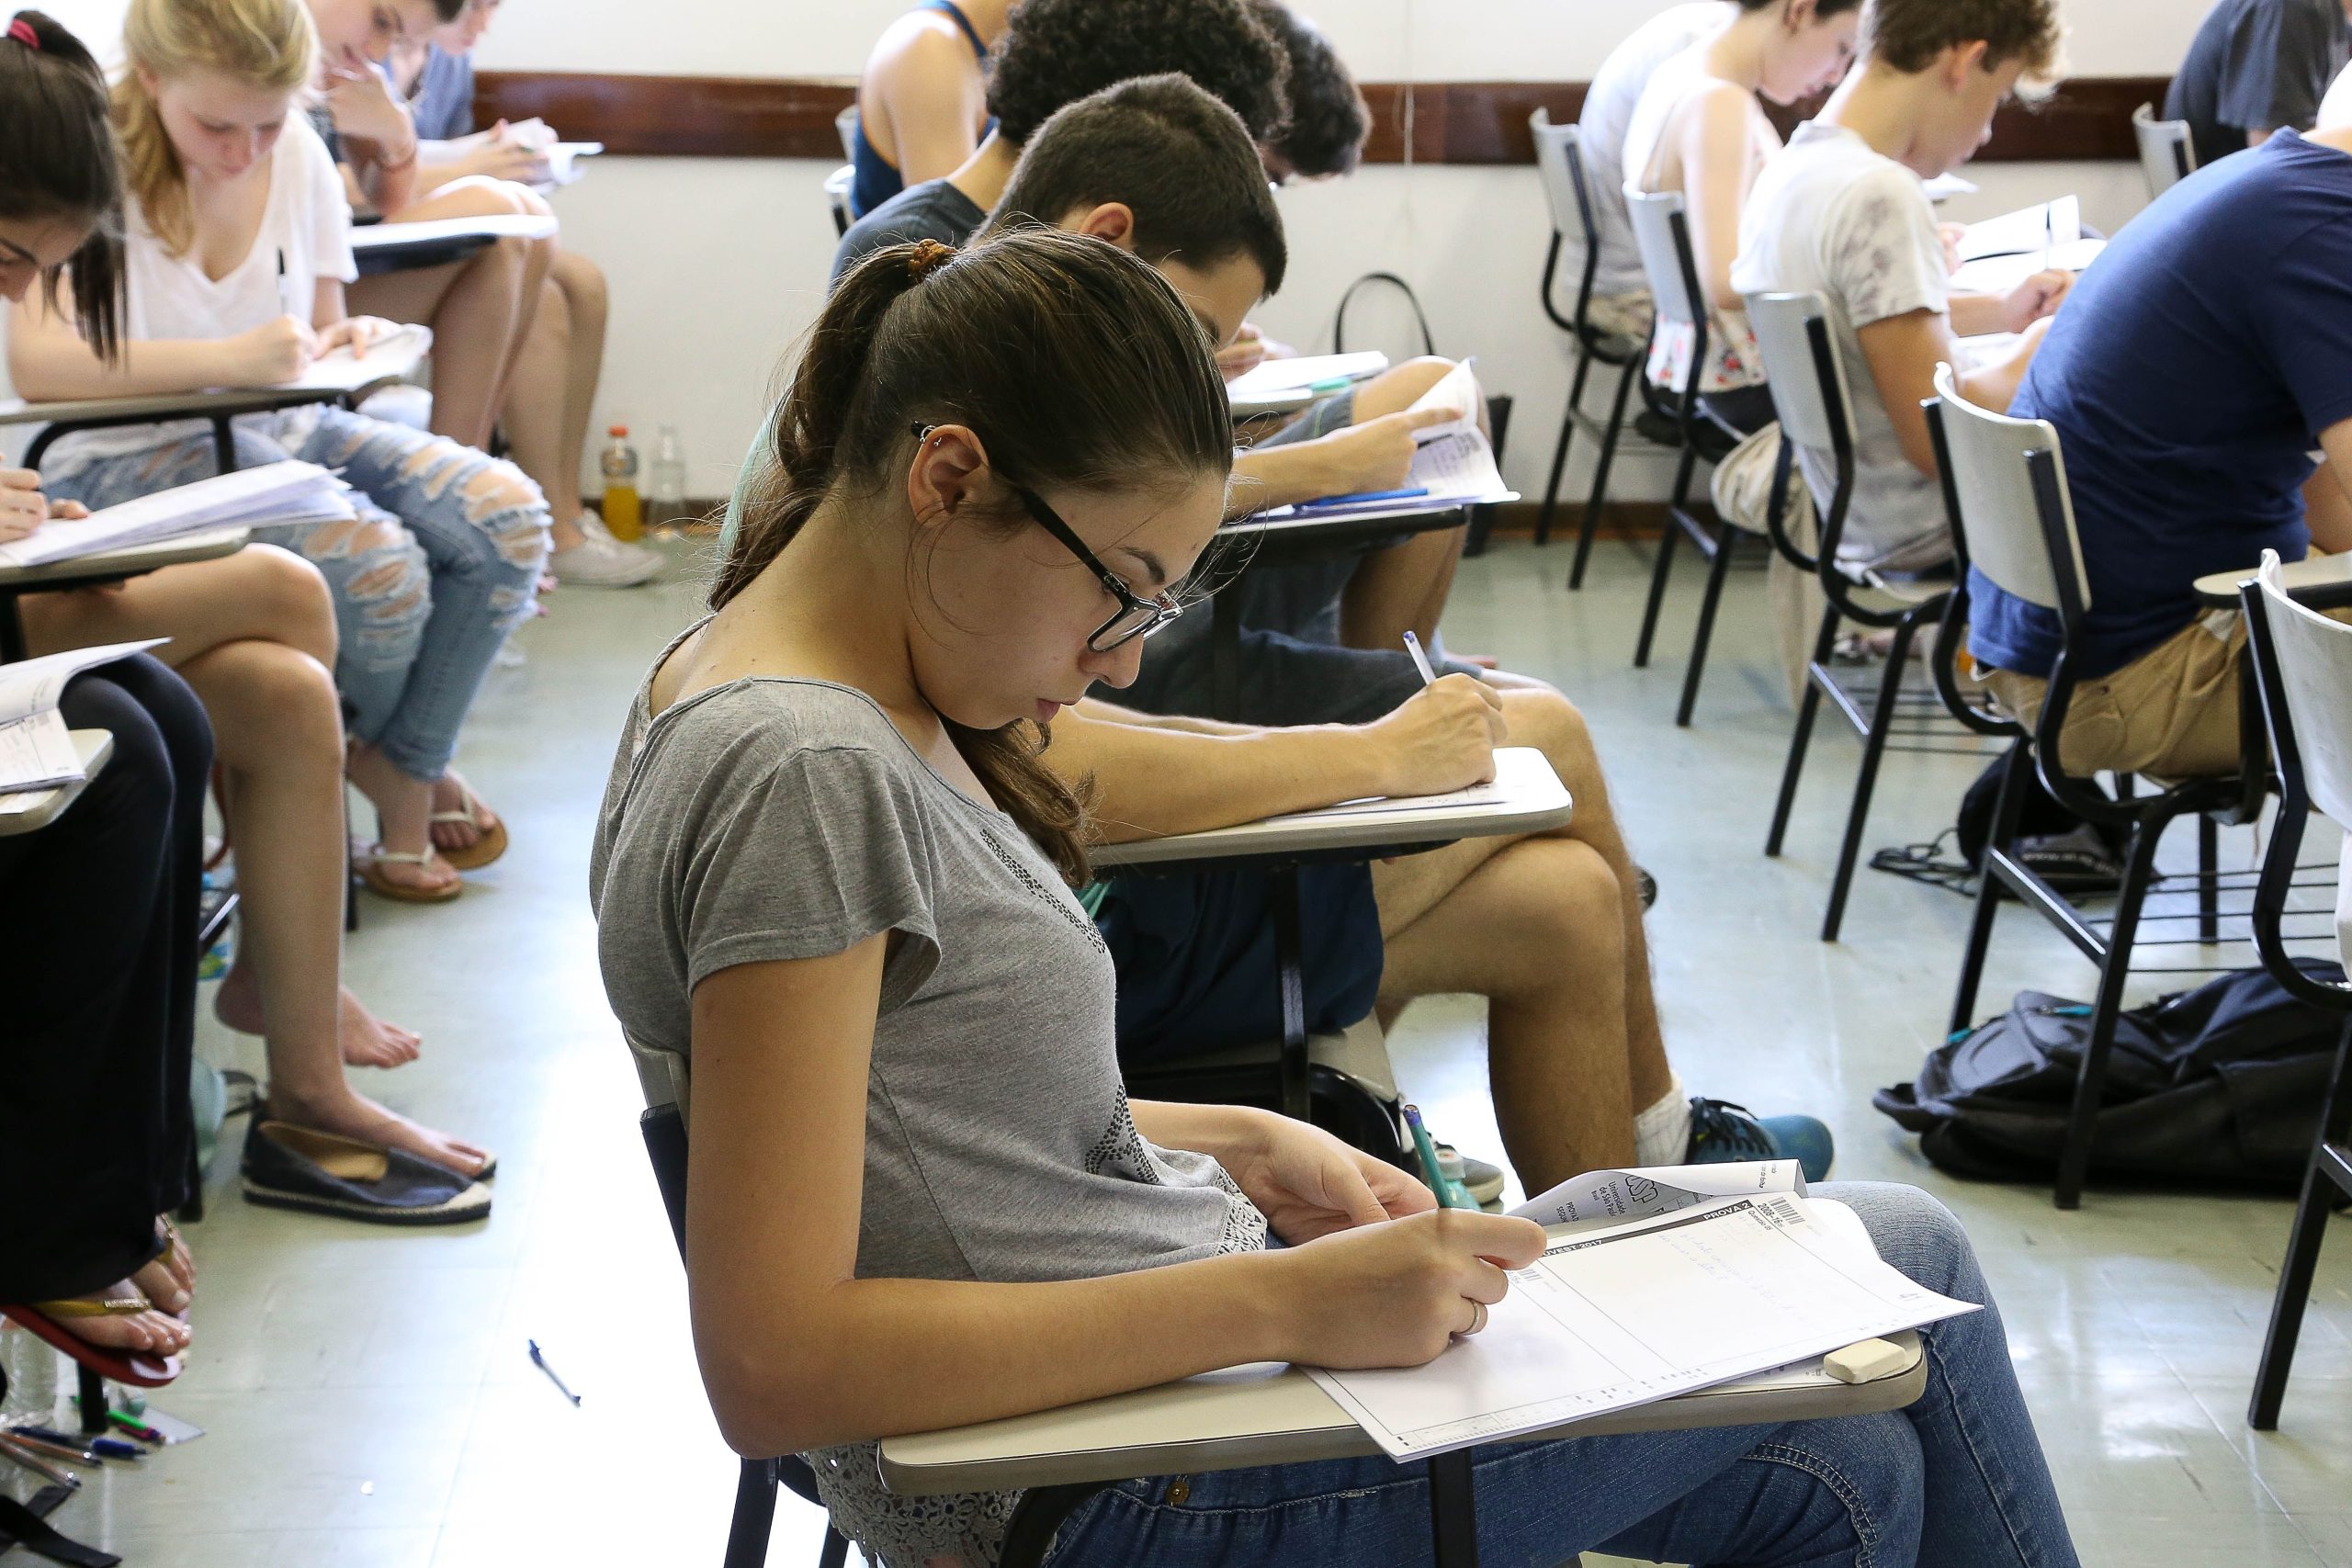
column 375, row 238
column 160, row 405
column 1275, row 1414
column 28, row 810
column 2317, row 574
column 208, row 544
column 1527, row 798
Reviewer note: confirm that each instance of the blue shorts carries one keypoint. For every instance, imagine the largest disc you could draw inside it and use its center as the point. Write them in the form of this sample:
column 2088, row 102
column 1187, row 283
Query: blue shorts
column 1196, row 957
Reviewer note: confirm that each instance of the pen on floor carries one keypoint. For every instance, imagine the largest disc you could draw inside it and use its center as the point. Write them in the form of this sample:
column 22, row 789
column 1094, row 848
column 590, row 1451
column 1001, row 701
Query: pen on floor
column 1421, row 659
column 71, row 1454
column 1450, row 1194
column 39, row 1466
column 540, row 1362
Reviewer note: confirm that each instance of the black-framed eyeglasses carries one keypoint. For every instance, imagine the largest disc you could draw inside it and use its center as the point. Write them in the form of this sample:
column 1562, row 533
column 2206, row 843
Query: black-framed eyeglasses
column 1136, row 617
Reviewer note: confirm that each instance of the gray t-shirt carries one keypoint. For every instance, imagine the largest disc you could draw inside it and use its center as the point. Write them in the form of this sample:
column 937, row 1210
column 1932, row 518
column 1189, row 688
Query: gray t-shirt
column 931, row 210
column 1608, row 106
column 2258, row 65
column 779, row 818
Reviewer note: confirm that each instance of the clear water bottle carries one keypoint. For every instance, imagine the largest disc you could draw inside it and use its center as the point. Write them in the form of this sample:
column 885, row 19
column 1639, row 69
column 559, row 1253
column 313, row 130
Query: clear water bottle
column 665, row 493
column 623, row 512
column 31, row 1368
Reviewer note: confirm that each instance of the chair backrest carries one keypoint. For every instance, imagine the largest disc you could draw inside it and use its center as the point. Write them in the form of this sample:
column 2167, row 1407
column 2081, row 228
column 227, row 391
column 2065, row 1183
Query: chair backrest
column 665, row 1145
column 1662, row 235
column 837, row 189
column 1559, row 162
column 2007, row 485
column 2314, row 660
column 1807, row 374
column 2167, row 155
column 845, row 125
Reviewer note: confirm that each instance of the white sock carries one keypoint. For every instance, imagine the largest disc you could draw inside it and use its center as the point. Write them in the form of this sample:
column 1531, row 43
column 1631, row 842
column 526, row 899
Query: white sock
column 1662, row 1133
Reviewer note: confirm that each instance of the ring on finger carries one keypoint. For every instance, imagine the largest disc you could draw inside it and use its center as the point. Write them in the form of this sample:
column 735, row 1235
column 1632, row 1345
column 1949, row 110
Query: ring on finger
column 1477, row 1321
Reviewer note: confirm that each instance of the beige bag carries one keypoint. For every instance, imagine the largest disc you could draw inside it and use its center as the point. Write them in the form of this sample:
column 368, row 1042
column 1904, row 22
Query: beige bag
column 1742, row 491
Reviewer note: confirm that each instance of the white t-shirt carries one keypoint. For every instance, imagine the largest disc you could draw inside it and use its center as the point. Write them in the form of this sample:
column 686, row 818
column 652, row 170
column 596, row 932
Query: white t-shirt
column 305, row 235
column 1609, row 110
column 1832, row 216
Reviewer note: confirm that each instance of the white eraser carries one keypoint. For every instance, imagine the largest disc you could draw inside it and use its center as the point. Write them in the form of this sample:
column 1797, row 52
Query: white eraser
column 1867, row 1361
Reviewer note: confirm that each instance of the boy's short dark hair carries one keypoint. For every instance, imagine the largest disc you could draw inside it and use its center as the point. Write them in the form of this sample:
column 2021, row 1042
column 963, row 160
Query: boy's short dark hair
column 1057, row 52
column 1181, row 162
column 1329, row 119
column 1909, row 34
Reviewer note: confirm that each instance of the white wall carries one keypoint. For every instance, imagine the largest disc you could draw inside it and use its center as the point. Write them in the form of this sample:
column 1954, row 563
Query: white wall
column 718, row 263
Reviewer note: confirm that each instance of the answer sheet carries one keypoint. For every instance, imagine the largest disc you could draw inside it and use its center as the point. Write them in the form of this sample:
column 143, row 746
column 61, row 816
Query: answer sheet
column 389, row 358
column 2033, row 230
column 36, row 748
column 1626, row 1314
column 1520, row 771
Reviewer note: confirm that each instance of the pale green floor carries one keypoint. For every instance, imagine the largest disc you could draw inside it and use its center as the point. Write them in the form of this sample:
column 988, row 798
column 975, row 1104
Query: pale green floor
column 367, row 1391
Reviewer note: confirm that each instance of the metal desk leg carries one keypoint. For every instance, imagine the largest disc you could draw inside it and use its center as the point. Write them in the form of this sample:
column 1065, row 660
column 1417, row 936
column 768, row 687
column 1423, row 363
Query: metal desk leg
column 1288, row 943
column 1454, row 1510
column 1224, row 657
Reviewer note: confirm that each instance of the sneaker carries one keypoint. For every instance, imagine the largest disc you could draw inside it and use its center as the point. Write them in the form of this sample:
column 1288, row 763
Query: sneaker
column 1484, row 1182
column 599, row 560
column 1722, row 1133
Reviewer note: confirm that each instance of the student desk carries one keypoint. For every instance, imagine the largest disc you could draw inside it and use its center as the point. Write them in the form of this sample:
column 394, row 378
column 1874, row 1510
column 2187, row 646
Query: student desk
column 28, row 811
column 1288, row 540
column 1529, row 799
column 2323, row 582
column 107, row 566
column 400, row 247
column 216, row 408
column 1263, row 1415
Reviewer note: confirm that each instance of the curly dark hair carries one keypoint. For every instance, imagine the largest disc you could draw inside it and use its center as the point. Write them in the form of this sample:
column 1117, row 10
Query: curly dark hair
column 1329, row 119
column 1057, row 52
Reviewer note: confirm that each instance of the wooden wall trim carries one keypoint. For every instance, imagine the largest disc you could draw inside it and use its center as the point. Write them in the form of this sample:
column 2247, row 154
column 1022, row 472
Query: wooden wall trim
column 1473, row 123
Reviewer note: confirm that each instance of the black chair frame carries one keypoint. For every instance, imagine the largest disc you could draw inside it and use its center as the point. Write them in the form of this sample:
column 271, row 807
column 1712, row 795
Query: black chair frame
column 1891, row 717
column 1703, row 437
column 1593, row 345
column 2328, row 1180
column 2108, row 942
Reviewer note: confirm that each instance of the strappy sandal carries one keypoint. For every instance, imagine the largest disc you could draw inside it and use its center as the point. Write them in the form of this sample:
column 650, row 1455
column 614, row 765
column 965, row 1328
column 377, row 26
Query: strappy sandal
column 135, row 1367
column 490, row 837
column 370, row 865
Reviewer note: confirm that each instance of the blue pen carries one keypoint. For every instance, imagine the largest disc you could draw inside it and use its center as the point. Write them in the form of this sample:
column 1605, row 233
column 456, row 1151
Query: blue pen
column 115, row 1447
column 1361, row 496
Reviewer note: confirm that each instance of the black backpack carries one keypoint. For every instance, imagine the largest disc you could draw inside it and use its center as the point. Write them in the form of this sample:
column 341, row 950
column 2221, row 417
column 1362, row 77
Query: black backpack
column 2222, row 1084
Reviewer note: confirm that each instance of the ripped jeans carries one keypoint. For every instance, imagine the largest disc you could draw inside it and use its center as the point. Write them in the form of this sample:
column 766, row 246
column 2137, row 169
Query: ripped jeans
column 439, row 565
column 1956, row 1481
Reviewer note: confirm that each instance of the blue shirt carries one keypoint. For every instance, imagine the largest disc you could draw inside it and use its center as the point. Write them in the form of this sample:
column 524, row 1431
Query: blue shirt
column 2189, row 377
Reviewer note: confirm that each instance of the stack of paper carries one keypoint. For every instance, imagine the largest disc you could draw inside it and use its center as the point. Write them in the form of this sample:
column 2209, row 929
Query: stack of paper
column 2034, row 230
column 390, row 357
column 1303, row 372
column 250, row 498
column 36, row 749
column 1703, row 1290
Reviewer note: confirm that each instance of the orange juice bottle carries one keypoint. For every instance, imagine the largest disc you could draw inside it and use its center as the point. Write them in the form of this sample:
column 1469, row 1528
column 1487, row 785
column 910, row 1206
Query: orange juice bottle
column 623, row 511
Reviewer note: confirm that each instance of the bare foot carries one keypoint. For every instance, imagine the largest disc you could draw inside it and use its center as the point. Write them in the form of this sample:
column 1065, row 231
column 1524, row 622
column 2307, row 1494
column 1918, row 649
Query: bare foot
column 367, row 1041
column 169, row 1278
column 153, row 1333
column 356, row 1116
column 450, row 795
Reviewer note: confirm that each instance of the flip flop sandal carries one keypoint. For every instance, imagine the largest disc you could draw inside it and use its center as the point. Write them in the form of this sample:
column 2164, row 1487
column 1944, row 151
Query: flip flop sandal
column 487, row 847
column 323, row 1173
column 137, row 1368
column 370, row 865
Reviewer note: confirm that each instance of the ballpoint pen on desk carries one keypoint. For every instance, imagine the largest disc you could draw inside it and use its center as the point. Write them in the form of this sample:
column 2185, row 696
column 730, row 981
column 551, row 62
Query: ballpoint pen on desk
column 1420, row 658
column 1451, row 1194
column 1358, row 498
column 540, row 1362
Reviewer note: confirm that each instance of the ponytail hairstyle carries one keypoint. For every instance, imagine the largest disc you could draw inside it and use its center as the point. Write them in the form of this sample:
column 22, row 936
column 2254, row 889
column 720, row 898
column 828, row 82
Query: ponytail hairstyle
column 1078, row 366
column 269, row 45
column 57, row 162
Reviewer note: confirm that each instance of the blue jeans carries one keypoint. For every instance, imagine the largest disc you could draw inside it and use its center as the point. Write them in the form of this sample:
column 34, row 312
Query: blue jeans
column 1956, row 1481
column 440, row 565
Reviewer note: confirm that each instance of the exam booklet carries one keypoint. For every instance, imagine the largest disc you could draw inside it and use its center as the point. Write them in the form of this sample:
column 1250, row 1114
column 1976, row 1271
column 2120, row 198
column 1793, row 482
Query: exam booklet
column 287, row 491
column 2028, row 230
column 1522, row 772
column 1622, row 1314
column 36, row 748
column 390, row 357
column 1456, row 393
